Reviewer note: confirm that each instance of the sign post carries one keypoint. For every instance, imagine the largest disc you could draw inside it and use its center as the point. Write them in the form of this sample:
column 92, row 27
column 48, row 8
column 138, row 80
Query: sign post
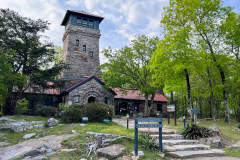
column 172, row 108
column 154, row 125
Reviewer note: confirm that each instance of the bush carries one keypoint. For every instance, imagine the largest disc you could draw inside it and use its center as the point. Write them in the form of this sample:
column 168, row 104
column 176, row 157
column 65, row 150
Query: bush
column 63, row 107
column 73, row 114
column 95, row 112
column 46, row 111
column 195, row 132
column 21, row 107
column 148, row 142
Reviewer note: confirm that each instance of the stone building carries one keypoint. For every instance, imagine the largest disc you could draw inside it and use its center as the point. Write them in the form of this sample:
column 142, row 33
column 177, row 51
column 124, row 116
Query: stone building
column 83, row 83
column 81, row 54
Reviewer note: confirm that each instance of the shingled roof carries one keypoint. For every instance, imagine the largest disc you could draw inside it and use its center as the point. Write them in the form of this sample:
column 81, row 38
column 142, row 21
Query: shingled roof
column 133, row 94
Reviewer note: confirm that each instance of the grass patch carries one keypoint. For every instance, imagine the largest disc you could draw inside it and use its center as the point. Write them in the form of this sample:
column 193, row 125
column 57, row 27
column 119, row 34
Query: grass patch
column 232, row 152
column 29, row 118
column 229, row 131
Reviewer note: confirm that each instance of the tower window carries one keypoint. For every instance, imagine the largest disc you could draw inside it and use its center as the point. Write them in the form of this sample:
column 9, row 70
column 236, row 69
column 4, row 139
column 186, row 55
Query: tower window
column 77, row 42
column 84, row 48
column 91, row 53
column 84, row 22
column 79, row 21
column 90, row 24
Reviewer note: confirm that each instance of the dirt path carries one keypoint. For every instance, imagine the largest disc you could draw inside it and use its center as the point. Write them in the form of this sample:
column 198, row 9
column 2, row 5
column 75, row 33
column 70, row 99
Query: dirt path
column 15, row 151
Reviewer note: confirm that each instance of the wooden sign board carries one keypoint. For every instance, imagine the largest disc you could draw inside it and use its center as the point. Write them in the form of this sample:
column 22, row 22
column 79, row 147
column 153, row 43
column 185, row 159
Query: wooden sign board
column 196, row 111
column 153, row 125
column 171, row 108
column 148, row 125
column 148, row 119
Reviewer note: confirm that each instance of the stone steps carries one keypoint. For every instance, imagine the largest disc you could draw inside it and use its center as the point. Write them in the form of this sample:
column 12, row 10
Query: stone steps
column 177, row 147
column 199, row 153
column 169, row 136
column 193, row 147
column 178, row 142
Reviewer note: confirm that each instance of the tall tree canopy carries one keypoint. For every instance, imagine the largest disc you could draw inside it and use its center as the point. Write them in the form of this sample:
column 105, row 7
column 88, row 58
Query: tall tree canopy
column 33, row 56
column 199, row 36
column 129, row 68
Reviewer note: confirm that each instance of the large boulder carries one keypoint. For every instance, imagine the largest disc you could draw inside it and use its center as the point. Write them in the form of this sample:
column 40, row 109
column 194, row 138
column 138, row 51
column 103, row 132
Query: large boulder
column 111, row 152
column 51, row 122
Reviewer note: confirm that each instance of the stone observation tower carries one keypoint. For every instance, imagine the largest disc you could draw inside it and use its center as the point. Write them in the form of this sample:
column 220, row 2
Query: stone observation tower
column 81, row 45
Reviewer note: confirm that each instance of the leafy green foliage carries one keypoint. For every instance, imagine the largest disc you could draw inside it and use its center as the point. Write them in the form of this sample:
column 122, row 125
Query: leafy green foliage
column 148, row 142
column 95, row 112
column 21, row 107
column 63, row 107
column 195, row 132
column 46, row 111
column 129, row 67
column 32, row 58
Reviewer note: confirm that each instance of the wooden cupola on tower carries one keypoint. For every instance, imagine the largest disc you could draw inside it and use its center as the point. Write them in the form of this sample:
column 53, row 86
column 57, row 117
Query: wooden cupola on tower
column 81, row 45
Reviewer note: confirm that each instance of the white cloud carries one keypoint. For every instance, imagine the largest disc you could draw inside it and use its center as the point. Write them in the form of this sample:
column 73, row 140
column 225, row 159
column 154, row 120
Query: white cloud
column 73, row 3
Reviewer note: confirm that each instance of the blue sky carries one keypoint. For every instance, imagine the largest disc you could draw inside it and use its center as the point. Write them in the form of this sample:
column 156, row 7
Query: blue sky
column 123, row 18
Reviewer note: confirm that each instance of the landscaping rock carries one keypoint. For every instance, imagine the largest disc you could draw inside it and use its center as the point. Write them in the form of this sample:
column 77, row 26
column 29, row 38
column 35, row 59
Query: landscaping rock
column 234, row 146
column 28, row 136
column 68, row 150
column 82, row 125
column 4, row 144
column 51, row 122
column 113, row 151
column 140, row 153
column 73, row 131
column 19, row 125
column 43, row 151
column 215, row 131
column 213, row 141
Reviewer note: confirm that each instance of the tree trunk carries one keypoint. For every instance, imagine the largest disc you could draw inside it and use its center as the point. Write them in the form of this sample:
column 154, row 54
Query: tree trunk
column 225, row 96
column 9, row 106
column 190, row 107
column 146, row 105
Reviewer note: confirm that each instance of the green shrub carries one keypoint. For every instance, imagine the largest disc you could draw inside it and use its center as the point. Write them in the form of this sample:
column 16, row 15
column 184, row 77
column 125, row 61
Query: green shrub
column 95, row 112
column 148, row 142
column 195, row 132
column 73, row 114
column 21, row 107
column 63, row 107
column 46, row 111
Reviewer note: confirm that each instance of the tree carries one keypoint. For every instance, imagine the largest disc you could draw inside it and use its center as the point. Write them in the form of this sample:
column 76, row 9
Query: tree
column 33, row 57
column 129, row 68
column 204, row 22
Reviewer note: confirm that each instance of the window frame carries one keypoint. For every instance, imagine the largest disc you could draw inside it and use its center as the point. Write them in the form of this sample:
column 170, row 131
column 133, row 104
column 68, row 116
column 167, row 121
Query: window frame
column 84, row 47
column 91, row 54
column 85, row 21
column 77, row 42
column 77, row 99
column 77, row 21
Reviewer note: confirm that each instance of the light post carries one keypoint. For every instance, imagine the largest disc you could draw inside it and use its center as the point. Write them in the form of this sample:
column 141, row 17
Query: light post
column 184, row 121
column 127, row 120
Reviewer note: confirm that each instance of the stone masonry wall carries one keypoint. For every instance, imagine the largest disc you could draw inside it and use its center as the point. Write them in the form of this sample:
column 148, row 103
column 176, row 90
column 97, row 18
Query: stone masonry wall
column 91, row 89
column 80, row 63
